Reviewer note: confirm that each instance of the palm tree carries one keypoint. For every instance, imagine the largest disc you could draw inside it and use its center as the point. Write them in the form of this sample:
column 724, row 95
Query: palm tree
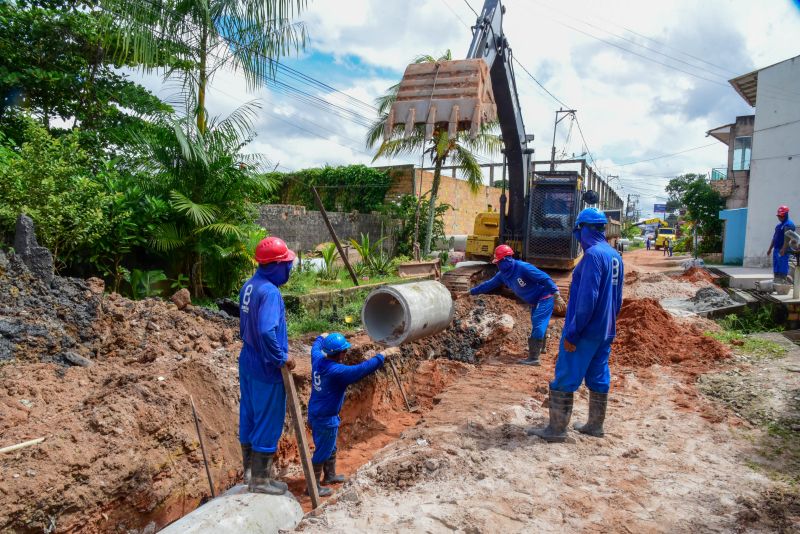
column 193, row 39
column 460, row 149
column 210, row 185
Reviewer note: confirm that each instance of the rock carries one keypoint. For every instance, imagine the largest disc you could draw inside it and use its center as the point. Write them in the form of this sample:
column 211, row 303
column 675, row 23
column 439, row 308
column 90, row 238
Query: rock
column 431, row 464
column 25, row 402
column 181, row 298
column 76, row 359
column 38, row 259
column 350, row 495
column 152, row 326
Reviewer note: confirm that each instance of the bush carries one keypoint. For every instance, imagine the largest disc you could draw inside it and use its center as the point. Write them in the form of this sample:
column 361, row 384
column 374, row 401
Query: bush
column 749, row 321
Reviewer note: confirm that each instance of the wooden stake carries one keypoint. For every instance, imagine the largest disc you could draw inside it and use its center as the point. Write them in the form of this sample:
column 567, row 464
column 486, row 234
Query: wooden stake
column 300, row 434
column 202, row 448
column 342, row 254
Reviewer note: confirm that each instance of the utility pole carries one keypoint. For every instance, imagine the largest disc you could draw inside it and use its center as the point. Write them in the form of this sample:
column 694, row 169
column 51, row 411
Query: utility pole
column 566, row 113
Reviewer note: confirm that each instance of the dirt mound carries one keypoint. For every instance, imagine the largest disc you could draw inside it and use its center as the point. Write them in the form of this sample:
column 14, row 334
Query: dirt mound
column 696, row 274
column 647, row 334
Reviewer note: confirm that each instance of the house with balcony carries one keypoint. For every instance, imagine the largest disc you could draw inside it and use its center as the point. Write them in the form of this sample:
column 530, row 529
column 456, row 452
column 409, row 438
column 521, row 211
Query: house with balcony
column 763, row 168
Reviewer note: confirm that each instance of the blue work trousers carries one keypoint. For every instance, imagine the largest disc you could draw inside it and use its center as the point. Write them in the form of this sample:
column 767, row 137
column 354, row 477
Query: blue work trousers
column 589, row 362
column 324, row 441
column 780, row 264
column 262, row 411
column 540, row 317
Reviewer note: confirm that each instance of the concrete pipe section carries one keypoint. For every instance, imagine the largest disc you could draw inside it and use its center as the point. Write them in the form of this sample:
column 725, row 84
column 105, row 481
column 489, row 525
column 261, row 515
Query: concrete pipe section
column 400, row 313
column 240, row 512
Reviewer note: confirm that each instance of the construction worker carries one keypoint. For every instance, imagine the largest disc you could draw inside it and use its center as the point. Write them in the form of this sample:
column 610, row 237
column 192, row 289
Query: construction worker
column 330, row 378
column 265, row 346
column 533, row 286
column 647, row 242
column 589, row 328
column 780, row 256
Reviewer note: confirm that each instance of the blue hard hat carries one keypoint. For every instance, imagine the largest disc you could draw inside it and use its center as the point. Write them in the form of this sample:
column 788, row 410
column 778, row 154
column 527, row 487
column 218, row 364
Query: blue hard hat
column 334, row 343
column 591, row 216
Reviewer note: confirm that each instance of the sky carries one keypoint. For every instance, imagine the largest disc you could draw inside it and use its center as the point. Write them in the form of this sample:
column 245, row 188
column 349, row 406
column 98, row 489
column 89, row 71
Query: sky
column 648, row 79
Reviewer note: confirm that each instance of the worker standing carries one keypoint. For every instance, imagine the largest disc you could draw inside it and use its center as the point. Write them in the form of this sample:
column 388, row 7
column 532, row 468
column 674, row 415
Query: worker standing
column 648, row 242
column 330, row 378
column 265, row 346
column 534, row 287
column 780, row 256
column 589, row 329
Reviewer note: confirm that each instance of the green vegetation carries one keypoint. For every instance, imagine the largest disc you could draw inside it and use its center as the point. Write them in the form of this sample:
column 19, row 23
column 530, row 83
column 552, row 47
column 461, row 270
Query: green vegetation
column 703, row 204
column 760, row 348
column 749, row 321
column 344, row 318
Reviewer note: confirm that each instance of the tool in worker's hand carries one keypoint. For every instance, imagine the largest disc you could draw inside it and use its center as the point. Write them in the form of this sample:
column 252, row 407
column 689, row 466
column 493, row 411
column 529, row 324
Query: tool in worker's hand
column 410, row 408
column 202, row 447
column 300, row 435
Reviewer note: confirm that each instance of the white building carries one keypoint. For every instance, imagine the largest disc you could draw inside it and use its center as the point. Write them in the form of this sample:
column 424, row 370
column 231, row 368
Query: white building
column 775, row 159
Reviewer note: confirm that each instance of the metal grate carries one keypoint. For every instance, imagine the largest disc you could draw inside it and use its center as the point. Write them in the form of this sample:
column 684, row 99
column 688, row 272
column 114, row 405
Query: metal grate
column 551, row 214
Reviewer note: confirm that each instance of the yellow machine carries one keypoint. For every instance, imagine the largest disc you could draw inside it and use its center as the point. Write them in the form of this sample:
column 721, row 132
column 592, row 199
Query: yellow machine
column 663, row 233
column 485, row 235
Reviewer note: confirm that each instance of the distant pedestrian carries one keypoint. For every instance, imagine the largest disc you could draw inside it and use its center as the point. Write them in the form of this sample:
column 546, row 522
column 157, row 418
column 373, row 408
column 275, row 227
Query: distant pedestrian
column 666, row 247
column 647, row 242
column 780, row 256
column 669, row 247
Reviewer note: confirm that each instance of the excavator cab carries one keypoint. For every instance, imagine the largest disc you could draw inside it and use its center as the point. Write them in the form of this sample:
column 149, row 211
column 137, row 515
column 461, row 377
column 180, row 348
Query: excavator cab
column 455, row 94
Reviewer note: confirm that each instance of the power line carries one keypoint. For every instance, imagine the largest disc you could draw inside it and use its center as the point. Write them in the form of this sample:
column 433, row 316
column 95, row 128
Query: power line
column 664, row 156
column 554, row 97
column 471, row 8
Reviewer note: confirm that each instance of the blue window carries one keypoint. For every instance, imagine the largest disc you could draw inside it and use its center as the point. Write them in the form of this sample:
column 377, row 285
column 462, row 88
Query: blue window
column 741, row 153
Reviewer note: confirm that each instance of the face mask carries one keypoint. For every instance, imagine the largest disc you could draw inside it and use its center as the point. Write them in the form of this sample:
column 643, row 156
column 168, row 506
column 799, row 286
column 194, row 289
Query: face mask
column 505, row 265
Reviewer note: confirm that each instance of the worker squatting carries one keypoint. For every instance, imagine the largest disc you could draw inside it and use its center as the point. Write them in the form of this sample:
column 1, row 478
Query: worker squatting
column 589, row 329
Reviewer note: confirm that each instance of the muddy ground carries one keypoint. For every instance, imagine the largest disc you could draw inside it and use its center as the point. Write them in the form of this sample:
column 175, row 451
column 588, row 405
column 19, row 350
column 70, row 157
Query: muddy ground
column 107, row 382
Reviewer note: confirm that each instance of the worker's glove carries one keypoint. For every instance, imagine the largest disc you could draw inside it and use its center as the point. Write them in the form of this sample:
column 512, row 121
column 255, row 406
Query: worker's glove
column 290, row 363
column 391, row 352
column 559, row 306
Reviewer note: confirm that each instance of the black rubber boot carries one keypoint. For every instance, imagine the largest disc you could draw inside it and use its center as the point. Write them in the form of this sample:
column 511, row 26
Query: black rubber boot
column 545, row 340
column 534, row 349
column 560, row 413
column 247, row 453
column 274, row 481
column 597, row 414
column 260, row 481
column 322, row 490
column 329, row 469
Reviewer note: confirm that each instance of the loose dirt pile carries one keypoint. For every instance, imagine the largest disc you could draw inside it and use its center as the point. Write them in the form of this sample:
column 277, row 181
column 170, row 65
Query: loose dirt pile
column 656, row 286
column 647, row 334
column 697, row 274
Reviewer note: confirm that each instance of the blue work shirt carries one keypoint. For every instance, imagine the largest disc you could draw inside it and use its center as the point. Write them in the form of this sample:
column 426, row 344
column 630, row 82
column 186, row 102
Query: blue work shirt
column 526, row 281
column 262, row 324
column 595, row 294
column 329, row 380
column 778, row 237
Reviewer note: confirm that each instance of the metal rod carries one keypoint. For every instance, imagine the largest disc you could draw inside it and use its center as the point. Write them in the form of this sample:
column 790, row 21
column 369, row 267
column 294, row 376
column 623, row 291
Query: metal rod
column 344, row 257
column 300, row 435
column 202, row 447
column 399, row 384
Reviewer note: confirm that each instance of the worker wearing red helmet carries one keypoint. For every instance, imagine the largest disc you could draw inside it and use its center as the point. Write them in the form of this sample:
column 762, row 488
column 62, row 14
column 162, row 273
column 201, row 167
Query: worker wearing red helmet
column 265, row 349
column 531, row 285
column 780, row 256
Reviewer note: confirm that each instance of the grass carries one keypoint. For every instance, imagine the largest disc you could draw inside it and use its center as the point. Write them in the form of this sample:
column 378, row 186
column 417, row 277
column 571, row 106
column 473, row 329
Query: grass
column 760, row 348
column 345, row 318
column 750, row 322
column 303, row 283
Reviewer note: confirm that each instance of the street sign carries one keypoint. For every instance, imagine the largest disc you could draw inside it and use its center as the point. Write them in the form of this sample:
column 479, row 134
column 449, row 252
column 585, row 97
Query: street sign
column 659, row 208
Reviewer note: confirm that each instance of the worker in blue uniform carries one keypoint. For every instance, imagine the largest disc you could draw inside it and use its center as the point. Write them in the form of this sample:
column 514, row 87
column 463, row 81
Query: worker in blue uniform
column 778, row 249
column 265, row 350
column 533, row 286
column 329, row 381
column 595, row 298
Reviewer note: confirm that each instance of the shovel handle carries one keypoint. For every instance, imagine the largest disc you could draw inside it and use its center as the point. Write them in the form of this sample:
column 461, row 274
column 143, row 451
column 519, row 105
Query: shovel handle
column 399, row 384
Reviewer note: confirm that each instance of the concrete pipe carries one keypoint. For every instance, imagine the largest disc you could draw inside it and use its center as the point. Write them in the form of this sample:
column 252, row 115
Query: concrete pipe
column 400, row 313
column 240, row 512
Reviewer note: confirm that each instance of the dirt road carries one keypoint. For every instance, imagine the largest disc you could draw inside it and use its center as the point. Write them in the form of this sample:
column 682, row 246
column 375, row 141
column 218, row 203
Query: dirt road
column 673, row 460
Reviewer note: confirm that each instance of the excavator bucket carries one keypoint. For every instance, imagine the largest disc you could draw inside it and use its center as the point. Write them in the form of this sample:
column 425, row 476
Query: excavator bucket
column 455, row 94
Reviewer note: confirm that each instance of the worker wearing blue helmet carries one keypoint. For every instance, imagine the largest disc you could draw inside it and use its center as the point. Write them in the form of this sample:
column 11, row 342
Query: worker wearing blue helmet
column 330, row 378
column 595, row 298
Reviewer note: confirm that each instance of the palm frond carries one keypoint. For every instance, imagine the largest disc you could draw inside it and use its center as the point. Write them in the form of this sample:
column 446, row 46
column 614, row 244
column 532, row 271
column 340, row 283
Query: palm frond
column 199, row 214
column 224, row 230
column 166, row 238
column 466, row 162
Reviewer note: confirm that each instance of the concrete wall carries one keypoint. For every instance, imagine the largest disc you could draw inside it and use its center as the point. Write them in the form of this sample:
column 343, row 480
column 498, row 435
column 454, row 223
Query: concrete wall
column 466, row 205
column 304, row 229
column 775, row 163
column 740, row 180
column 733, row 235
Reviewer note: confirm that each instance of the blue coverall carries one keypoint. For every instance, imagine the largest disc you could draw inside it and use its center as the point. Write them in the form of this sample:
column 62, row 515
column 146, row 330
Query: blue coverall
column 780, row 264
column 329, row 382
column 595, row 298
column 530, row 284
column 265, row 347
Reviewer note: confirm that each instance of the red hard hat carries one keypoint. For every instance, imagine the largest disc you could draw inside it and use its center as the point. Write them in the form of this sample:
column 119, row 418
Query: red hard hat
column 273, row 249
column 502, row 251
column 783, row 210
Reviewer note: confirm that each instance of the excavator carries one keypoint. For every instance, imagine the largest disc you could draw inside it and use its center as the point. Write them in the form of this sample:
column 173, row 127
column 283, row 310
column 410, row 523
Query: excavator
column 664, row 232
column 537, row 215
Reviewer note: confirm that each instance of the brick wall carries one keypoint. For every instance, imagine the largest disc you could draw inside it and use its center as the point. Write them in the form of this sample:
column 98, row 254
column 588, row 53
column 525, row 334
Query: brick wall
column 466, row 205
column 304, row 229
